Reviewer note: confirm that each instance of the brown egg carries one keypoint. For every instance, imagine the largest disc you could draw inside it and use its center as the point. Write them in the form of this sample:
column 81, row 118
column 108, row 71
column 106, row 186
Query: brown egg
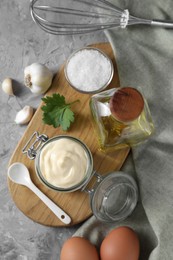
column 120, row 244
column 78, row 248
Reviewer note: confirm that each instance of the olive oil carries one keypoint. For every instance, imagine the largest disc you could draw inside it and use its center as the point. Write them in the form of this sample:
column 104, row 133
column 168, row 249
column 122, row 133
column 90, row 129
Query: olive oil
column 121, row 119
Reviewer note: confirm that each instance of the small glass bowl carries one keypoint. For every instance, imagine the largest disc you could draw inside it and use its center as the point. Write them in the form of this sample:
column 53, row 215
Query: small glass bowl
column 79, row 185
column 81, row 68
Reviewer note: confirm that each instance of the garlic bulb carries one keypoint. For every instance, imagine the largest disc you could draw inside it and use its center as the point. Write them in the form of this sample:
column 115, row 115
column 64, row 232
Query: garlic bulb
column 7, row 86
column 38, row 78
column 24, row 115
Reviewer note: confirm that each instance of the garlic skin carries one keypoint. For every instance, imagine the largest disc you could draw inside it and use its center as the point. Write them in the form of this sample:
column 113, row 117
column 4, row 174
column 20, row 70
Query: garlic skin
column 7, row 86
column 24, row 115
column 38, row 78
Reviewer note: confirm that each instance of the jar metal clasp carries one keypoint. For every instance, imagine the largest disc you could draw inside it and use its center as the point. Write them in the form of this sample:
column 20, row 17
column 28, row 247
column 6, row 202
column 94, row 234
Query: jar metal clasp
column 33, row 144
column 99, row 179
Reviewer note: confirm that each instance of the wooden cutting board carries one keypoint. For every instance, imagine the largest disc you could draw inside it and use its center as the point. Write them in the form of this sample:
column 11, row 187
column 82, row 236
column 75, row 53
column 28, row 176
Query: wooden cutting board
column 76, row 204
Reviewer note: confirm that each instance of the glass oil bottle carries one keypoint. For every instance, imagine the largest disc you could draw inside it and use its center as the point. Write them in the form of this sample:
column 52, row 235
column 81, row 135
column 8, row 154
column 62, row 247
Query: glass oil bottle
column 122, row 118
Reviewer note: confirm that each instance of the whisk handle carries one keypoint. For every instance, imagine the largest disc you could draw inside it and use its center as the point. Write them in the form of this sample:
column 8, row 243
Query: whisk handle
column 161, row 23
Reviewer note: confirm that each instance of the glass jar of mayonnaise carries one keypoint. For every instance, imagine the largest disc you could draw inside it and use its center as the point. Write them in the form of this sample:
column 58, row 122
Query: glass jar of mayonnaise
column 65, row 164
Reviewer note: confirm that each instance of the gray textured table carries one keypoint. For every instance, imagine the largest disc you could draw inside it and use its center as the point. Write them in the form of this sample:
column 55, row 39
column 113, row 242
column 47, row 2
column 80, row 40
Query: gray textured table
column 22, row 43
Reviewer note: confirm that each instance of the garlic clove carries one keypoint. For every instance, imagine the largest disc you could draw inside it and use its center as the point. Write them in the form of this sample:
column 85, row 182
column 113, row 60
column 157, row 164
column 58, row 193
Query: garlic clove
column 24, row 115
column 38, row 78
column 7, row 86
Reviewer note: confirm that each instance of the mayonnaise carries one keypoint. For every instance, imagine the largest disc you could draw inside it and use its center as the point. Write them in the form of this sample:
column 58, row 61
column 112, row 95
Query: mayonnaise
column 63, row 162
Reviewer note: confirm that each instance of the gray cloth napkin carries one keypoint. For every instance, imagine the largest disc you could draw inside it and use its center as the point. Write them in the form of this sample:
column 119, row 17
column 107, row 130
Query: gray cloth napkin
column 144, row 56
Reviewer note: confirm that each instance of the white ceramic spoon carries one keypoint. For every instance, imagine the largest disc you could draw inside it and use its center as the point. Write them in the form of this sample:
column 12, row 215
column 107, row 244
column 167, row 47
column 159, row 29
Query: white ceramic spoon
column 19, row 174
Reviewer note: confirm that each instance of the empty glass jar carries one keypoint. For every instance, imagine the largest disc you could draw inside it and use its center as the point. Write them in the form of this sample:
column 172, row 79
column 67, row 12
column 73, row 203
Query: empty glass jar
column 114, row 196
column 122, row 118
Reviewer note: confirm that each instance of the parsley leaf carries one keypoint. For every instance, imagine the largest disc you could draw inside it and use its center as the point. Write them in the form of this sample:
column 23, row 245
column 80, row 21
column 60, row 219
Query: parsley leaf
column 57, row 112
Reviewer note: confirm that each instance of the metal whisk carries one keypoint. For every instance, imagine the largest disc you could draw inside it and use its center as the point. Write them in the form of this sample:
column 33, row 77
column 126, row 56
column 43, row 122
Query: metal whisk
column 68, row 17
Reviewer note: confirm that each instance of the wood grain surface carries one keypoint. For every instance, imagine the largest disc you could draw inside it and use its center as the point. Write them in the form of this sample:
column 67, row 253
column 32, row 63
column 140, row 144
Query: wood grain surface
column 77, row 203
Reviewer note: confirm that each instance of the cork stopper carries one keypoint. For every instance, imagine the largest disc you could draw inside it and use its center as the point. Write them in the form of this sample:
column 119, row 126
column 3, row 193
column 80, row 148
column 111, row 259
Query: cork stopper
column 126, row 104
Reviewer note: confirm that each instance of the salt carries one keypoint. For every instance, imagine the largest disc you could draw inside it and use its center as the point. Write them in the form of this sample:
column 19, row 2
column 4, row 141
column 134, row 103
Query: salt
column 89, row 70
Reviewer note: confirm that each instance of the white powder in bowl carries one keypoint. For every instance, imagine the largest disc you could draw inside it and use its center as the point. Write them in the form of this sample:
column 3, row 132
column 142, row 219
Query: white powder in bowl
column 89, row 70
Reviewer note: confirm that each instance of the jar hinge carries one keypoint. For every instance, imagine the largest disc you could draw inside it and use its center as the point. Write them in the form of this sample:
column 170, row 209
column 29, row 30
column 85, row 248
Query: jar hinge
column 99, row 178
column 33, row 144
